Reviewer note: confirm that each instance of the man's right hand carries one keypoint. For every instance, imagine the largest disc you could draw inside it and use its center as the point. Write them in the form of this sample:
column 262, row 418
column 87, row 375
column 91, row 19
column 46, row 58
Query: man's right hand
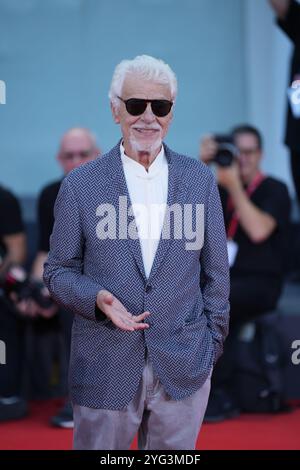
column 117, row 313
column 208, row 149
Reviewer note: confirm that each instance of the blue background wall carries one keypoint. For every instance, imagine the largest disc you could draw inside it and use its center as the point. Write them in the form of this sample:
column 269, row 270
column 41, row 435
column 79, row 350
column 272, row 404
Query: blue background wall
column 57, row 59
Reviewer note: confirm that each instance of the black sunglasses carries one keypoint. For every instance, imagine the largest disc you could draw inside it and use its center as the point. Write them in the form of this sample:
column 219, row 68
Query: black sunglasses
column 137, row 106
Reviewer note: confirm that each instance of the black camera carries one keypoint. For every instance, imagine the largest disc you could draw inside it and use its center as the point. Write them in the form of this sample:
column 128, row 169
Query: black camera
column 227, row 152
column 16, row 282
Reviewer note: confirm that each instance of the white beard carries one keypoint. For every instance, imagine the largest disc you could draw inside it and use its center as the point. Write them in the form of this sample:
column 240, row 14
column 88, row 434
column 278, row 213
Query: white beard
column 150, row 148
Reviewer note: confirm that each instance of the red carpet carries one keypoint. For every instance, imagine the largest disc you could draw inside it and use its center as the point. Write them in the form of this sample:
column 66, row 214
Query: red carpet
column 246, row 432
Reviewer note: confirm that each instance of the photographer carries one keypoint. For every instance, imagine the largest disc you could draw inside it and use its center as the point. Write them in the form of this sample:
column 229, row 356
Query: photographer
column 256, row 212
column 12, row 253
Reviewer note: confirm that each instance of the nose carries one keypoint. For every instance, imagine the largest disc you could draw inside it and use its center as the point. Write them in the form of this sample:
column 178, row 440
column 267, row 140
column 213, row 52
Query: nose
column 77, row 161
column 243, row 158
column 148, row 115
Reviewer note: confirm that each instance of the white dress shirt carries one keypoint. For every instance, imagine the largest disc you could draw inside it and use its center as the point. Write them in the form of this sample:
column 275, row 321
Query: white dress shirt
column 148, row 191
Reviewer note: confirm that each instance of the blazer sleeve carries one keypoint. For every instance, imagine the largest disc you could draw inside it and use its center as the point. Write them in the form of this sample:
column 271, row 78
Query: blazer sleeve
column 214, row 281
column 63, row 270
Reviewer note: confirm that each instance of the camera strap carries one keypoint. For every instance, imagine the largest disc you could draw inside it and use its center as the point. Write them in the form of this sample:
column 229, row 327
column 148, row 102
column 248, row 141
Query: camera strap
column 234, row 221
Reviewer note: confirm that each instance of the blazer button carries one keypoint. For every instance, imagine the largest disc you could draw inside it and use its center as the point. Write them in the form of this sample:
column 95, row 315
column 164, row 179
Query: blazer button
column 148, row 289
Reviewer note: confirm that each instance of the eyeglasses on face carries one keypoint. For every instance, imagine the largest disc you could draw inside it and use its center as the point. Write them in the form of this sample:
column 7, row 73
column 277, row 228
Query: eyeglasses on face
column 82, row 154
column 137, row 106
column 248, row 152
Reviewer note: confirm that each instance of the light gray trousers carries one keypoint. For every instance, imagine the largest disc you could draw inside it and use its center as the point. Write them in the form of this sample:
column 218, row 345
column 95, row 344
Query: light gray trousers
column 161, row 422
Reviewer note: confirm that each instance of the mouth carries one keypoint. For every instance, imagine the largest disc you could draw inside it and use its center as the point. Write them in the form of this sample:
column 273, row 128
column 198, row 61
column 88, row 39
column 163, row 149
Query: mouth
column 146, row 131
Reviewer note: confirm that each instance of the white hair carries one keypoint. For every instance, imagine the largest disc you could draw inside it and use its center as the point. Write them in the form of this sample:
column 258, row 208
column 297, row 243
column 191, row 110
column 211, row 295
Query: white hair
column 146, row 67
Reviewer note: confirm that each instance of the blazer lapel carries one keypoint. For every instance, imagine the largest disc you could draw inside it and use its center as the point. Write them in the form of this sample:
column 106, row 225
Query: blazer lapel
column 118, row 187
column 176, row 191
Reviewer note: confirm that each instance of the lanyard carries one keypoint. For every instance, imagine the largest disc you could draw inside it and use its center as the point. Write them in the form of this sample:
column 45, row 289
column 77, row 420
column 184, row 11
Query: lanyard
column 234, row 221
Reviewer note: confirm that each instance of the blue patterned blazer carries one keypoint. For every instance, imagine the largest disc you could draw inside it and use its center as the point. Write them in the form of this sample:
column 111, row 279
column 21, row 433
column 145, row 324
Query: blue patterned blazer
column 187, row 290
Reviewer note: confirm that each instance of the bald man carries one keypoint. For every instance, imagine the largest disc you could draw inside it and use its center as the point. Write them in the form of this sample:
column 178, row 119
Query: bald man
column 77, row 146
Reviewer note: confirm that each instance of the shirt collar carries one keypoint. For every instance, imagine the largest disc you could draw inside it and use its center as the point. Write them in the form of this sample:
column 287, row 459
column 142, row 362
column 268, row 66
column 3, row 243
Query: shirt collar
column 139, row 170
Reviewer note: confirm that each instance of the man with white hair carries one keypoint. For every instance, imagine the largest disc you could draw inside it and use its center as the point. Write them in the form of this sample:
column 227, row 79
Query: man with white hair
column 151, row 307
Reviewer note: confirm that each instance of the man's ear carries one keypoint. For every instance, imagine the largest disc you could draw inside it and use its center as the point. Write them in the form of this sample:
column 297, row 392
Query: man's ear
column 115, row 112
